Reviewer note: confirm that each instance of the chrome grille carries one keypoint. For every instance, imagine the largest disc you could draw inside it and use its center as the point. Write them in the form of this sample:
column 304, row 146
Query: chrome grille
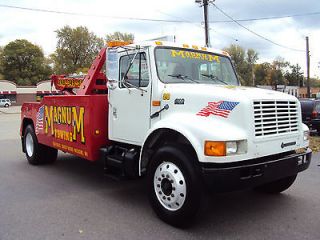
column 275, row 117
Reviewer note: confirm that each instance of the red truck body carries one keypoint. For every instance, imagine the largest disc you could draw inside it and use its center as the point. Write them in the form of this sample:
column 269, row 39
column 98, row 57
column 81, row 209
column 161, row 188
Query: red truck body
column 75, row 124
column 77, row 121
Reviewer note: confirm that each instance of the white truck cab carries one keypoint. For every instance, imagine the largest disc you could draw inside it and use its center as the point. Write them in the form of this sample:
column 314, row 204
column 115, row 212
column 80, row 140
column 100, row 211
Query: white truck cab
column 195, row 126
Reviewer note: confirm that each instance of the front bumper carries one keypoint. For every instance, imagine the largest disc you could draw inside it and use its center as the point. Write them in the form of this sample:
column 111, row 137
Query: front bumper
column 226, row 177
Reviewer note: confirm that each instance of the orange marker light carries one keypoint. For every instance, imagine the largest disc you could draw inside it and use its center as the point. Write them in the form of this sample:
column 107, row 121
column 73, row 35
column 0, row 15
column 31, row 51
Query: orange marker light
column 225, row 53
column 155, row 103
column 185, row 45
column 158, row 43
column 217, row 149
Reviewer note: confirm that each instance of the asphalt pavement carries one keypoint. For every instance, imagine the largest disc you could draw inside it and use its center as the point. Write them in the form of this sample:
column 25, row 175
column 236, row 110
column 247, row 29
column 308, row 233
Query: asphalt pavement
column 72, row 199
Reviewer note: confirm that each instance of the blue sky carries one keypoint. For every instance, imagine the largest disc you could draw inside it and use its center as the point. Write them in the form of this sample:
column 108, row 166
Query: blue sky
column 39, row 27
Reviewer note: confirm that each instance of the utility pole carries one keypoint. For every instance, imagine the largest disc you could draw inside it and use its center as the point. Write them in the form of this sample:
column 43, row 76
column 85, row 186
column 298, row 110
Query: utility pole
column 206, row 25
column 205, row 4
column 308, row 67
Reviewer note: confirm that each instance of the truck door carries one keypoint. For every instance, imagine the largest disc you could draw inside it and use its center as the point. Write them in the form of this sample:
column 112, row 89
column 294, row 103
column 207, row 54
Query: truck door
column 129, row 109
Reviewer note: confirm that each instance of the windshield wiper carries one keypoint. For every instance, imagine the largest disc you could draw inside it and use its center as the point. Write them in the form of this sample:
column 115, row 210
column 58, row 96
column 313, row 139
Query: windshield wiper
column 183, row 77
column 213, row 77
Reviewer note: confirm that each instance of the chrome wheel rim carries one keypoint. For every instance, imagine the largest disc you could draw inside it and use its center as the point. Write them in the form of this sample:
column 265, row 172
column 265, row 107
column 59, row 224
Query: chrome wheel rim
column 29, row 145
column 170, row 186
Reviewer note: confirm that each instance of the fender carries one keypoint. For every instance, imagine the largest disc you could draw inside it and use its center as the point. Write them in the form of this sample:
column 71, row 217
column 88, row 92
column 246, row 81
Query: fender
column 196, row 130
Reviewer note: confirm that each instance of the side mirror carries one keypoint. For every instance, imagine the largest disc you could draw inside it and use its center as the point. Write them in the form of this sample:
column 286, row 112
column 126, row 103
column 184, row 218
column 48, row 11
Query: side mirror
column 112, row 84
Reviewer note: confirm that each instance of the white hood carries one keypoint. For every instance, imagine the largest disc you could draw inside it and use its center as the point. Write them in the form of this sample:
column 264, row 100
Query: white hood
column 230, row 93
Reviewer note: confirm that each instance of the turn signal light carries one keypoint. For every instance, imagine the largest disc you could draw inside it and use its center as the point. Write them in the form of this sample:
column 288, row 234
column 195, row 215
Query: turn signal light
column 156, row 103
column 217, row 149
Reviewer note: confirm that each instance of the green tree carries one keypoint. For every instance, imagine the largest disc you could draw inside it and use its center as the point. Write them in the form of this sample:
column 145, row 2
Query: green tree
column 251, row 58
column 76, row 49
column 294, row 76
column 244, row 62
column 237, row 54
column 276, row 73
column 314, row 82
column 261, row 72
column 24, row 63
column 1, row 67
column 120, row 36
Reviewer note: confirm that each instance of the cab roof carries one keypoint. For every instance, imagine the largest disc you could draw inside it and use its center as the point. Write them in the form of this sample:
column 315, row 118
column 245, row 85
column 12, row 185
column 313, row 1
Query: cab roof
column 177, row 45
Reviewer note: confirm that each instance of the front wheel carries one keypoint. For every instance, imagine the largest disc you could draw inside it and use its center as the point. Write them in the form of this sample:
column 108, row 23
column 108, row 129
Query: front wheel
column 174, row 188
column 37, row 153
column 277, row 186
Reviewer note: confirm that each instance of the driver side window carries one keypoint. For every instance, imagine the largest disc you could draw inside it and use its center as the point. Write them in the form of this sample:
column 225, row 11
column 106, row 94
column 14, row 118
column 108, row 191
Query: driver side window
column 138, row 74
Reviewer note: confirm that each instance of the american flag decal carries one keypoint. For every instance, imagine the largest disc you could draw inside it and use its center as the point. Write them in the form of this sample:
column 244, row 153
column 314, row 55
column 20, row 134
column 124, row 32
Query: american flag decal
column 39, row 121
column 221, row 108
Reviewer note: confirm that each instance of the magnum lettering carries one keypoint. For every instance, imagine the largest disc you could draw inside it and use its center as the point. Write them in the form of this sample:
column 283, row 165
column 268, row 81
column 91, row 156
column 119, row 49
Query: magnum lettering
column 195, row 55
column 60, row 115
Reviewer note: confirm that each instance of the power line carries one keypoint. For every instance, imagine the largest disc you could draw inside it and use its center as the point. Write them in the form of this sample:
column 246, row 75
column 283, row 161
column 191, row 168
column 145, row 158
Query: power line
column 89, row 15
column 114, row 17
column 155, row 20
column 196, row 24
column 267, row 18
column 257, row 34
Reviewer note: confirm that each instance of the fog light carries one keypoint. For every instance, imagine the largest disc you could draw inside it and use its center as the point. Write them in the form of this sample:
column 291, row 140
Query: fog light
column 232, row 148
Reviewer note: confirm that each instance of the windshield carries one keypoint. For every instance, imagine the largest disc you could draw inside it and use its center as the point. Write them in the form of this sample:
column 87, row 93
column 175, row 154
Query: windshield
column 178, row 65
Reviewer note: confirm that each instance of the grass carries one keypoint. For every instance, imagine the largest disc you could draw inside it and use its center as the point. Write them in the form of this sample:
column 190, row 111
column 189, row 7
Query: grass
column 315, row 143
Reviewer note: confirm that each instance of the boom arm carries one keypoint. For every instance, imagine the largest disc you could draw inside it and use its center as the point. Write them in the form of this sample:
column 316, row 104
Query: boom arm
column 95, row 81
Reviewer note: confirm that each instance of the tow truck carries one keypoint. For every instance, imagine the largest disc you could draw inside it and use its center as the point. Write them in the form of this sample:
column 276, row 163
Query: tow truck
column 177, row 115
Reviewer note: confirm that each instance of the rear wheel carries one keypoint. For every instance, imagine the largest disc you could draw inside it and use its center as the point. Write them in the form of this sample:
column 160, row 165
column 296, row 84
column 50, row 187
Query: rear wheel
column 37, row 153
column 174, row 188
column 6, row 105
column 277, row 186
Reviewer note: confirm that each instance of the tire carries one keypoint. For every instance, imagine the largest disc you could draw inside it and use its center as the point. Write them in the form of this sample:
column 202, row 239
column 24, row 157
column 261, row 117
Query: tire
column 37, row 153
column 277, row 186
column 174, row 189
column 6, row 105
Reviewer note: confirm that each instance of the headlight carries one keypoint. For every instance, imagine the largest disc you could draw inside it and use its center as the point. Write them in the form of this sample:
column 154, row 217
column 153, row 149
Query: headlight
column 220, row 149
column 232, row 147
column 306, row 135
